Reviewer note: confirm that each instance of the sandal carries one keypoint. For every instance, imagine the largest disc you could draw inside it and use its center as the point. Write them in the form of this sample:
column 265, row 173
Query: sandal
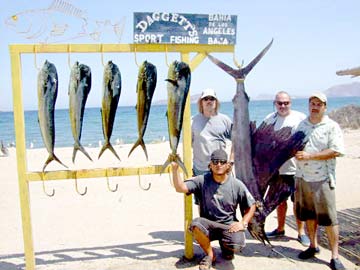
column 205, row 263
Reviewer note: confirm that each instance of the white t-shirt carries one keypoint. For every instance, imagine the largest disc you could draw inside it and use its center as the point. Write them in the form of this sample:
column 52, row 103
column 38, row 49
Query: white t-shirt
column 292, row 120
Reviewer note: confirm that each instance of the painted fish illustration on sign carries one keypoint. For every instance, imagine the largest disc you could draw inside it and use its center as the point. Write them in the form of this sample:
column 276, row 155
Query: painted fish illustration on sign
column 47, row 94
column 178, row 84
column 79, row 89
column 258, row 154
column 60, row 22
column 145, row 88
column 354, row 72
column 110, row 100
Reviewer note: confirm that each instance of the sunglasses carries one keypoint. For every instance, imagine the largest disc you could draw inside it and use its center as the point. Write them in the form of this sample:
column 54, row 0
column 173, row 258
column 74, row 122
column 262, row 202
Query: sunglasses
column 217, row 161
column 209, row 98
column 286, row 103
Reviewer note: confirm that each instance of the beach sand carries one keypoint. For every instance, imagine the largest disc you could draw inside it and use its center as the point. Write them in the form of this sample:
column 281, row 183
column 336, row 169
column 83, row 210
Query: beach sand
column 136, row 229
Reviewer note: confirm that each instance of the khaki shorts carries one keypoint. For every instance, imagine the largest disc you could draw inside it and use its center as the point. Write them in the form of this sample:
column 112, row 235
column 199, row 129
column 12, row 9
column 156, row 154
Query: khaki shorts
column 315, row 200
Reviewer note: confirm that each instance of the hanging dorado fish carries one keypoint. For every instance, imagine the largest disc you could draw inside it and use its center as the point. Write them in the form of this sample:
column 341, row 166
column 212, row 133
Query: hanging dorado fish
column 110, row 100
column 47, row 94
column 178, row 84
column 79, row 88
column 145, row 90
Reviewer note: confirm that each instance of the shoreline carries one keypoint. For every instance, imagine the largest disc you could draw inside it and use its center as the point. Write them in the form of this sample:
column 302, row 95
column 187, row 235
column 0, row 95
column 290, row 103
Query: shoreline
column 136, row 229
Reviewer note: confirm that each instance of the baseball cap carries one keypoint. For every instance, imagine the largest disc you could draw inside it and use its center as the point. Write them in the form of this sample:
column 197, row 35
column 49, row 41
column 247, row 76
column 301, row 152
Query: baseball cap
column 208, row 92
column 219, row 154
column 320, row 96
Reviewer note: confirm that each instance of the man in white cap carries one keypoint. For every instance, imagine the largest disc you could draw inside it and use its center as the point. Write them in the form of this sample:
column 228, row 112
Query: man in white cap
column 209, row 131
column 219, row 195
column 315, row 178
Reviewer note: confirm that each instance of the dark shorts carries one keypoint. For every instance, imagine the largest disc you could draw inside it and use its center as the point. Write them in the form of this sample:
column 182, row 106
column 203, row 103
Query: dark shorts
column 229, row 241
column 290, row 179
column 316, row 200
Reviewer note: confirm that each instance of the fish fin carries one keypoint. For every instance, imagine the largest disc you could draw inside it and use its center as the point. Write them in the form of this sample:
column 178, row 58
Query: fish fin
column 181, row 164
column 164, row 166
column 174, row 82
column 140, row 141
column 174, row 158
column 246, row 70
column 109, row 146
column 51, row 158
column 78, row 146
column 257, row 224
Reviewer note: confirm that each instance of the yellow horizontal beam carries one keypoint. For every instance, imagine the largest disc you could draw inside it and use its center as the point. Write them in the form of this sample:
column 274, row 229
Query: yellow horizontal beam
column 94, row 173
column 108, row 48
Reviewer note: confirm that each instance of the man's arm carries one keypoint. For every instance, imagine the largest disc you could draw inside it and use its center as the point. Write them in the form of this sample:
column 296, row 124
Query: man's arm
column 323, row 155
column 178, row 183
column 243, row 224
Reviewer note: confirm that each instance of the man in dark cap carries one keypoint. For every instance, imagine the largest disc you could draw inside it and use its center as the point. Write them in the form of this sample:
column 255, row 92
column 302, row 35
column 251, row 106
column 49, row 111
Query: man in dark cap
column 219, row 195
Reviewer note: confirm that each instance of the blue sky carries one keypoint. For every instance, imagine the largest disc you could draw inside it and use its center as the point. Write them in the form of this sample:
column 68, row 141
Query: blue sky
column 312, row 40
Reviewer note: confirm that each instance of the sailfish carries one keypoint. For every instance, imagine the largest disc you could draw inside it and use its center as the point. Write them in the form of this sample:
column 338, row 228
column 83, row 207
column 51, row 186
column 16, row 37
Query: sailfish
column 259, row 153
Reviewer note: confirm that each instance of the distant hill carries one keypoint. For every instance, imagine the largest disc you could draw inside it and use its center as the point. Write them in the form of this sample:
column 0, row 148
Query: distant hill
column 344, row 90
column 341, row 90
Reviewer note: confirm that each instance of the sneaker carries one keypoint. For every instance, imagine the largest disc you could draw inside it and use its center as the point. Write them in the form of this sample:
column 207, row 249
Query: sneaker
column 304, row 240
column 308, row 253
column 275, row 233
column 335, row 264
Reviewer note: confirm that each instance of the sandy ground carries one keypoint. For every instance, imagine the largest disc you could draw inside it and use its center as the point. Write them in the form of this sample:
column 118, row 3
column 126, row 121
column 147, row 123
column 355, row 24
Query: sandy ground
column 137, row 229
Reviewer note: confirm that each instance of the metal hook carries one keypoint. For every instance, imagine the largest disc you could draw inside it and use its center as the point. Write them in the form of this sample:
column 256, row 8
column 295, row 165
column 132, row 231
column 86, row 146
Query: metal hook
column 166, row 56
column 43, row 186
column 137, row 64
column 77, row 189
column 35, row 59
column 235, row 61
column 140, row 185
column 108, row 183
column 69, row 50
column 102, row 55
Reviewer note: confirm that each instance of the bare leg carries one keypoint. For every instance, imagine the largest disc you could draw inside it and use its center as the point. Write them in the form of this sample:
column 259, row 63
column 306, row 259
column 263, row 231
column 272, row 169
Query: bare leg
column 333, row 236
column 300, row 224
column 204, row 242
column 281, row 215
column 312, row 225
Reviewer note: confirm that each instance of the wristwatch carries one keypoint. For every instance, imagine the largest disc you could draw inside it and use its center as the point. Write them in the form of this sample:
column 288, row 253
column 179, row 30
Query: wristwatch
column 245, row 225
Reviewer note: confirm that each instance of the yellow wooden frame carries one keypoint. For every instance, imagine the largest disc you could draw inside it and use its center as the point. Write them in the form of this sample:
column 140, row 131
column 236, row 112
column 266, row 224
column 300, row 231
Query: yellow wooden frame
column 25, row 176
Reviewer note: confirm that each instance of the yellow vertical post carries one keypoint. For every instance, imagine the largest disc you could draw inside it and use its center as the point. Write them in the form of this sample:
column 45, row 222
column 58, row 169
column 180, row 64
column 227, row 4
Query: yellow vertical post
column 21, row 159
column 187, row 154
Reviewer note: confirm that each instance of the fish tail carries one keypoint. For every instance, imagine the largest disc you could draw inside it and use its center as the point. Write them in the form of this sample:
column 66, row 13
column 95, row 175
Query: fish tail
column 141, row 142
column 174, row 158
column 78, row 146
column 164, row 166
column 52, row 157
column 111, row 148
column 181, row 164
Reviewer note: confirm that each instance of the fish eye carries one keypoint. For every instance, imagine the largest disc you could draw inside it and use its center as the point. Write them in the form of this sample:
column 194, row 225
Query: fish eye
column 14, row 17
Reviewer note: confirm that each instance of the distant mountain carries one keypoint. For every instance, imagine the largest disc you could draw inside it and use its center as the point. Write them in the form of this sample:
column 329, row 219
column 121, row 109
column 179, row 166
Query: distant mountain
column 344, row 90
column 341, row 90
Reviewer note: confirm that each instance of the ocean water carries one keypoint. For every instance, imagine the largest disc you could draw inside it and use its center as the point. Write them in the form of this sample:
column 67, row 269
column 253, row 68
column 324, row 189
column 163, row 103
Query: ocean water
column 125, row 126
